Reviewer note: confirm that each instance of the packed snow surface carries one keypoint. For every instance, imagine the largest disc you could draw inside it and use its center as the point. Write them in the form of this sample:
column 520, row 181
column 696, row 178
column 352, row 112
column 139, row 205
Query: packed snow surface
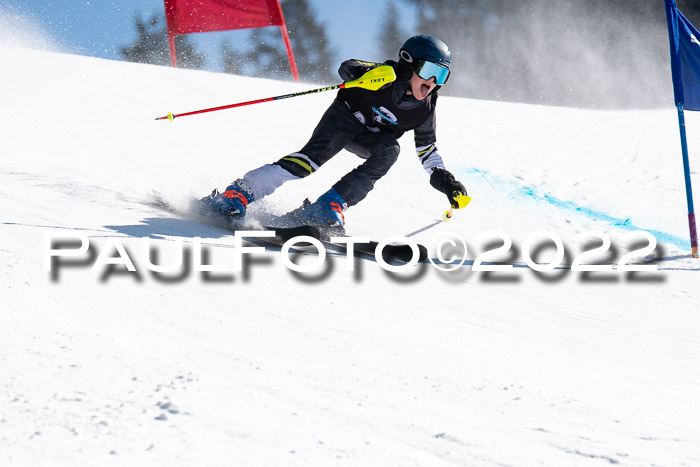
column 267, row 366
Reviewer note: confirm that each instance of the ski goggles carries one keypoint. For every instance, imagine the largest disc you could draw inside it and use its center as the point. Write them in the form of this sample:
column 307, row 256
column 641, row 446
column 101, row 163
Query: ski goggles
column 427, row 70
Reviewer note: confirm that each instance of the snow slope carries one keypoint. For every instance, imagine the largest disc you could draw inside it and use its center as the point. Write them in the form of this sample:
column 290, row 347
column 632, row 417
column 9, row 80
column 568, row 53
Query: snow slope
column 363, row 367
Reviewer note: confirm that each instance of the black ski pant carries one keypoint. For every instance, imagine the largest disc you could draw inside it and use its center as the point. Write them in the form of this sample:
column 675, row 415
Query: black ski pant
column 337, row 130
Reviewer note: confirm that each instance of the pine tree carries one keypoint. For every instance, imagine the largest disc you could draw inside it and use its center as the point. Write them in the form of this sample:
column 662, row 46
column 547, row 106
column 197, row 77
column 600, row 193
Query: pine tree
column 691, row 10
column 268, row 56
column 461, row 24
column 315, row 59
column 152, row 46
column 391, row 37
column 233, row 61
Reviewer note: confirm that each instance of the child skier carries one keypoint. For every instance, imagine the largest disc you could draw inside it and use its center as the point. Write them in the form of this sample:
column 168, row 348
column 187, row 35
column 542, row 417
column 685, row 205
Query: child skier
column 368, row 124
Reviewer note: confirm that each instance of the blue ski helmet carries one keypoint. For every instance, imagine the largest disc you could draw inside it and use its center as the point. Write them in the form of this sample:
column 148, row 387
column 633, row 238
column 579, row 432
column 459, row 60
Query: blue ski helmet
column 427, row 48
column 423, row 53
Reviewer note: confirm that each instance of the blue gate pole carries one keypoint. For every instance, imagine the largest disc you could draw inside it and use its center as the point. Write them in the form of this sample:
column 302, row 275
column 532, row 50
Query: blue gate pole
column 688, row 187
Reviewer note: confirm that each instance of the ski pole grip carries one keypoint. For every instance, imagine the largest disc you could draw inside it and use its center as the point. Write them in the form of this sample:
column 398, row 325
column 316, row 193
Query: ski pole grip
column 461, row 200
column 373, row 79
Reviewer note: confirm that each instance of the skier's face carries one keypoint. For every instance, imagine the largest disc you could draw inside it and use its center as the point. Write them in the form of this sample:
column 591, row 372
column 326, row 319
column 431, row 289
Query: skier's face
column 421, row 88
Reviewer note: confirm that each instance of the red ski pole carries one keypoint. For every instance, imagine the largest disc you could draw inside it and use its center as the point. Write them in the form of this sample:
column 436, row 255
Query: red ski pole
column 372, row 80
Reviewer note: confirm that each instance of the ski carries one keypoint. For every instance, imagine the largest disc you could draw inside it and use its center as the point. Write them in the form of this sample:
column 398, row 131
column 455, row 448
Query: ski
column 282, row 234
column 391, row 253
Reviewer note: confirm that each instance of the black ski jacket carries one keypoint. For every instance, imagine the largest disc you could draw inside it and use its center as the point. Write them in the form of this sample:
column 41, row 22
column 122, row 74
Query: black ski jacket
column 391, row 110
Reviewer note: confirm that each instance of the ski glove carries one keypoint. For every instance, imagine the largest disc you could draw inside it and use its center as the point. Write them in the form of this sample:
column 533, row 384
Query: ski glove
column 442, row 180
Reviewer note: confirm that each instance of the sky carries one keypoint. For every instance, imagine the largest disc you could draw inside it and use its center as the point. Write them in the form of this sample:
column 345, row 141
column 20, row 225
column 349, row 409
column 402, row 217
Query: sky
column 100, row 28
